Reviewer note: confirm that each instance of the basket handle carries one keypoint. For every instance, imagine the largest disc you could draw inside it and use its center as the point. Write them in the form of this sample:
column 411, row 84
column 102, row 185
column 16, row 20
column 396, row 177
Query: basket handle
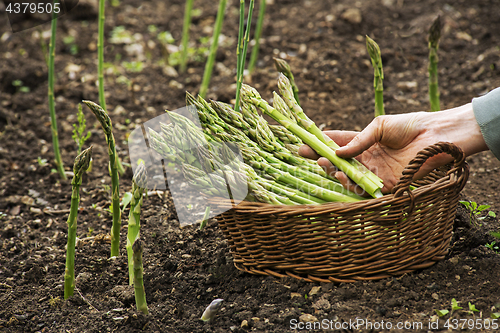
column 406, row 179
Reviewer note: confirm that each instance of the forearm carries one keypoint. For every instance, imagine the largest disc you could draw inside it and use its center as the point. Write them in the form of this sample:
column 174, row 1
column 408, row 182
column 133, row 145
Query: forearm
column 459, row 126
column 487, row 113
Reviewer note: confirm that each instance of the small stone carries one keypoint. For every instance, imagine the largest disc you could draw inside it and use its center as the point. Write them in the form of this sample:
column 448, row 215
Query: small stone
column 244, row 323
column 292, row 295
column 170, row 71
column 352, row 15
column 454, row 260
column 407, row 85
column 314, row 290
column 322, row 304
column 186, row 256
column 308, row 318
column 435, row 296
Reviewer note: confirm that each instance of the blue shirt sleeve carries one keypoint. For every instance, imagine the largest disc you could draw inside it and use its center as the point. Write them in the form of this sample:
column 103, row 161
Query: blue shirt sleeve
column 487, row 112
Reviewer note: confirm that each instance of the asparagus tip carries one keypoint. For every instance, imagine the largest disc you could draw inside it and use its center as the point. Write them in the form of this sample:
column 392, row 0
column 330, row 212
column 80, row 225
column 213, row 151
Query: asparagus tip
column 435, row 32
column 82, row 161
column 373, row 49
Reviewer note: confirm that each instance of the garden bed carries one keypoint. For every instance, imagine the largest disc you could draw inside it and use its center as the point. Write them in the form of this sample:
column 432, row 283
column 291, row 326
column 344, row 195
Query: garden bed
column 185, row 269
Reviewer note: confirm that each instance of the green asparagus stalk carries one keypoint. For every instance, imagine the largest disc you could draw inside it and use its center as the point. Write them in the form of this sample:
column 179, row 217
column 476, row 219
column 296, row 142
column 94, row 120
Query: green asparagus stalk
column 185, row 34
column 222, row 131
column 284, row 68
column 52, row 107
column 213, row 48
column 107, row 127
column 81, row 164
column 100, row 67
column 140, row 293
column 240, row 68
column 301, row 118
column 258, row 32
column 204, row 220
column 255, row 161
column 250, row 95
column 100, row 55
column 434, row 36
column 376, row 58
column 139, row 183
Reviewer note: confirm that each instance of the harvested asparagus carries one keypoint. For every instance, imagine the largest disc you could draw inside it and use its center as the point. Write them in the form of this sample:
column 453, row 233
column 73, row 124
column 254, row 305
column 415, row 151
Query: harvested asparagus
column 301, row 118
column 250, row 95
column 283, row 67
column 139, row 183
column 81, row 164
column 107, row 127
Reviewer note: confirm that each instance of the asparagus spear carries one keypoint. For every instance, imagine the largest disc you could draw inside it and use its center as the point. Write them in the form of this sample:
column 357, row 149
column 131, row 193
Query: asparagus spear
column 107, row 127
column 207, row 74
column 434, row 36
column 284, row 68
column 140, row 293
column 376, row 58
column 81, row 164
column 258, row 162
column 139, row 183
column 52, row 107
column 258, row 31
column 185, row 34
column 250, row 95
column 304, row 121
column 242, row 51
column 225, row 132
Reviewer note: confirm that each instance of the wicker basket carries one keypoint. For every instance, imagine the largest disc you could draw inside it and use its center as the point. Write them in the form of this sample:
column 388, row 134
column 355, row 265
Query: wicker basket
column 347, row 242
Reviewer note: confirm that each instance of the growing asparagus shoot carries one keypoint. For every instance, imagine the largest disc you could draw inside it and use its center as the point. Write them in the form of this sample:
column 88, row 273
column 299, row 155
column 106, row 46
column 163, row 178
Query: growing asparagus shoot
column 283, row 67
column 140, row 293
column 81, row 164
column 258, row 32
column 139, row 182
column 100, row 55
column 211, row 310
column 242, row 52
column 185, row 34
column 52, row 107
column 204, row 219
column 213, row 48
column 107, row 127
column 378, row 73
column 434, row 36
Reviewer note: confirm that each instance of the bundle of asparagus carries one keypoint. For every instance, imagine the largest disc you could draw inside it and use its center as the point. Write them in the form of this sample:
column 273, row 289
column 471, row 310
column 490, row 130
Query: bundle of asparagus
column 241, row 153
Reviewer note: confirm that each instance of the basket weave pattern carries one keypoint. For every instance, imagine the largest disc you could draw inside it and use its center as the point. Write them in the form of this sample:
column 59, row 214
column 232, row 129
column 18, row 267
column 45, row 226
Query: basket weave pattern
column 346, row 242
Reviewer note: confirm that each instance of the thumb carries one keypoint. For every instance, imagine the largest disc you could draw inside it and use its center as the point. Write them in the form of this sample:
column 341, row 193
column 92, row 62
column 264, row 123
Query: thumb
column 364, row 140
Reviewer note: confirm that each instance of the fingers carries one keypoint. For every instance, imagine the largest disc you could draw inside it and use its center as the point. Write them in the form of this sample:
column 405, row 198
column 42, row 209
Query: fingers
column 308, row 152
column 340, row 137
column 364, row 140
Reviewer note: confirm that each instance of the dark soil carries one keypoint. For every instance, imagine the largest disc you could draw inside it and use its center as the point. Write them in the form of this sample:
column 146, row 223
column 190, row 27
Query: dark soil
column 185, row 269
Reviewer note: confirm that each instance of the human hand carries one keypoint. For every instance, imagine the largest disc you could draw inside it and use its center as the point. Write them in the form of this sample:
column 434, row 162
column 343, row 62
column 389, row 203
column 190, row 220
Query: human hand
column 389, row 143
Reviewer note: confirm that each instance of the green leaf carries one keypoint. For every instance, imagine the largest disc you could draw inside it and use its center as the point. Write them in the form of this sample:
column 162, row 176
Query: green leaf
column 465, row 203
column 483, row 207
column 492, row 214
column 495, row 315
column 442, row 313
column 495, row 234
column 454, row 305
column 473, row 205
column 472, row 307
column 127, row 197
